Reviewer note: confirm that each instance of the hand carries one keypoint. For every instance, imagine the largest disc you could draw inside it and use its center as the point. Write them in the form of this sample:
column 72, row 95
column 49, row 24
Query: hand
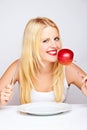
column 6, row 94
column 84, row 85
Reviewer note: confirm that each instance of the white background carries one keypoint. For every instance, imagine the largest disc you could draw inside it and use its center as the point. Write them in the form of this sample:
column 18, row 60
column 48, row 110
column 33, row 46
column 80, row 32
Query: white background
column 70, row 16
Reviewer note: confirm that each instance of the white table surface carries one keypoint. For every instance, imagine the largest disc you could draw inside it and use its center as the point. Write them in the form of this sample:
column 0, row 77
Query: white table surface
column 11, row 119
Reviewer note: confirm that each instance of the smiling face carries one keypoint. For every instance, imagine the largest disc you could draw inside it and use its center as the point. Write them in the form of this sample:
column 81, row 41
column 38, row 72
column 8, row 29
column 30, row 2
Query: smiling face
column 50, row 44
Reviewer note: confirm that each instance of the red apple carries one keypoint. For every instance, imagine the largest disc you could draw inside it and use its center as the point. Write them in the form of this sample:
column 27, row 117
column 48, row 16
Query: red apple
column 65, row 56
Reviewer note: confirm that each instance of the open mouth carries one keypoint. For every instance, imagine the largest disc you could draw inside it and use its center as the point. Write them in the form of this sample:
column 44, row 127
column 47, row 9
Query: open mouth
column 52, row 52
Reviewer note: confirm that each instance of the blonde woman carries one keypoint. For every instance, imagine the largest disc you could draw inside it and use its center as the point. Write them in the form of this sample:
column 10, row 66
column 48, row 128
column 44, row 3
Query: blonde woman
column 39, row 74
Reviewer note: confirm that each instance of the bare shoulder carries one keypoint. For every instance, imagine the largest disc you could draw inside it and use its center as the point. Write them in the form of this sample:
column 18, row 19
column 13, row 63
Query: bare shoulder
column 73, row 74
column 12, row 66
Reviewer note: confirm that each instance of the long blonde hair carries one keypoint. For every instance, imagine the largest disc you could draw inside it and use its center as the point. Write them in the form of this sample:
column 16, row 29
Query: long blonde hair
column 30, row 60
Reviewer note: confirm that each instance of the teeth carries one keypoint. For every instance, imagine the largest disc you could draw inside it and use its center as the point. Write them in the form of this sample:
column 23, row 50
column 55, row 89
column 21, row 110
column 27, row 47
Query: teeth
column 52, row 52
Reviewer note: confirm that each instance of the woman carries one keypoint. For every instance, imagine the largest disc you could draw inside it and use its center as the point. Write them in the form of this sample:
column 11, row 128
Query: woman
column 39, row 74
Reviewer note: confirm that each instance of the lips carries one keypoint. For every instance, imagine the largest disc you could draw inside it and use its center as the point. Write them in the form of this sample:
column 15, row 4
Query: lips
column 52, row 52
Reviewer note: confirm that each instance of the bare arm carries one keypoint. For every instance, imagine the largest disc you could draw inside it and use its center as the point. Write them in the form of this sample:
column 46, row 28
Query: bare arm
column 6, row 77
column 6, row 85
column 75, row 75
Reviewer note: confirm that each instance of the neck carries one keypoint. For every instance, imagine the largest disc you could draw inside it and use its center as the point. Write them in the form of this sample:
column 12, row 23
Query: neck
column 46, row 69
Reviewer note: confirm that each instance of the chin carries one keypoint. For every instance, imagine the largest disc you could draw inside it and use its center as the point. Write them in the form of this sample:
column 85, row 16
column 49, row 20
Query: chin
column 53, row 60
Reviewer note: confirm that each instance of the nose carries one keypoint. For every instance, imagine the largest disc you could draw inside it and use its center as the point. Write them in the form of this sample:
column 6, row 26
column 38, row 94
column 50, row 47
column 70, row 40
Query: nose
column 55, row 44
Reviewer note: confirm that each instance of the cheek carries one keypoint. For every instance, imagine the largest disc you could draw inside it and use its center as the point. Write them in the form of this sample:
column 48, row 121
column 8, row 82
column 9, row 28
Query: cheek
column 59, row 44
column 43, row 49
column 42, row 52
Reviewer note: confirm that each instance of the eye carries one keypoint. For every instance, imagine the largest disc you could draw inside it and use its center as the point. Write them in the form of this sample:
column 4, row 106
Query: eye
column 45, row 41
column 56, row 38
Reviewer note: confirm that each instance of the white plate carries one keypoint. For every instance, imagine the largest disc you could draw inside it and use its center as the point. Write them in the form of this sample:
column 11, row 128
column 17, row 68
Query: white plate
column 44, row 108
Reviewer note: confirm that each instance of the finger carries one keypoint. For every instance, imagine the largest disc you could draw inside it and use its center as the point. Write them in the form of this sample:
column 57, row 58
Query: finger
column 8, row 89
column 6, row 94
column 5, row 97
column 9, row 86
column 84, row 90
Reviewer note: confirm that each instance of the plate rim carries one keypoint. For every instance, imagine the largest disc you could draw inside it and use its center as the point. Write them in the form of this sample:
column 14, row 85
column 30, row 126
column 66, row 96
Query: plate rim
column 68, row 108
